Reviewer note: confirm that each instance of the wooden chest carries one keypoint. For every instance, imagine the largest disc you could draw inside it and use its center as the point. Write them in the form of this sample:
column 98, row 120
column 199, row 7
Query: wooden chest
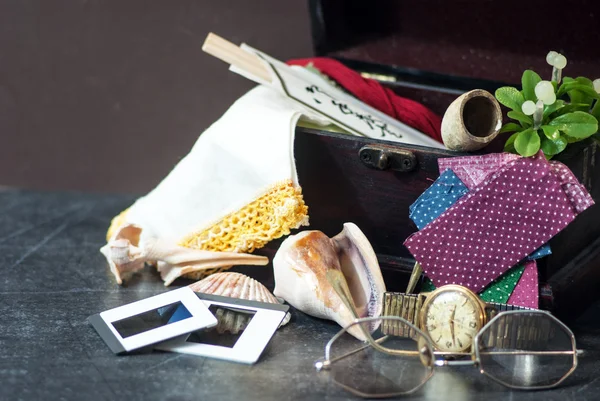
column 340, row 186
column 339, row 181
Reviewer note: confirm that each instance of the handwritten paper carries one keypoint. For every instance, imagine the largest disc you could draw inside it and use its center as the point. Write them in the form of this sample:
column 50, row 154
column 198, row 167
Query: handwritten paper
column 321, row 99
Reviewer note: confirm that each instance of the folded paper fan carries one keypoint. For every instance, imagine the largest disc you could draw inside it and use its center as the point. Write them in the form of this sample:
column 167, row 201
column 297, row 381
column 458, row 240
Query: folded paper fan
column 235, row 191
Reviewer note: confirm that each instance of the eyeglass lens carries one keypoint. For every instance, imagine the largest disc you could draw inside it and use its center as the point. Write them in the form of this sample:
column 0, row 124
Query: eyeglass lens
column 527, row 350
column 398, row 365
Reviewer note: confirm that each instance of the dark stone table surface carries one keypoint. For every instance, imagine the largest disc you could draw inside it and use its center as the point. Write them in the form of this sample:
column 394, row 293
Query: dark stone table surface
column 53, row 278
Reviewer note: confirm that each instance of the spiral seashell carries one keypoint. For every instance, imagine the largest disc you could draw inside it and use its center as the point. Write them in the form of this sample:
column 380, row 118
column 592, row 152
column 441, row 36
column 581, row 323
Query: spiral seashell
column 235, row 285
column 330, row 278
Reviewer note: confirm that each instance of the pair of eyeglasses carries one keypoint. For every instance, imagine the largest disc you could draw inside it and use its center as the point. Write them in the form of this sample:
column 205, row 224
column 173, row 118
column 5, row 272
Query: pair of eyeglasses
column 518, row 349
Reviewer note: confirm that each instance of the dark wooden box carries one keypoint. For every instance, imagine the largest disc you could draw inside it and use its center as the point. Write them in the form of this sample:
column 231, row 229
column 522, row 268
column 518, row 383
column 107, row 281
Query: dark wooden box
column 437, row 56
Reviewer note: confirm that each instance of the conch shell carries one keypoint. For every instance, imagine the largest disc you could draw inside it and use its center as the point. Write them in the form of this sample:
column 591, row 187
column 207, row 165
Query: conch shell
column 235, row 285
column 128, row 250
column 331, row 278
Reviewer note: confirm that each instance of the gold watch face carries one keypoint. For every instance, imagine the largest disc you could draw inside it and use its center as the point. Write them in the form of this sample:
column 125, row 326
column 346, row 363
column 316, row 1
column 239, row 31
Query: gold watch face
column 451, row 316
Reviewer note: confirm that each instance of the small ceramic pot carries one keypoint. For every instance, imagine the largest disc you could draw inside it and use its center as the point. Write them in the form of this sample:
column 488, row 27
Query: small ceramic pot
column 472, row 121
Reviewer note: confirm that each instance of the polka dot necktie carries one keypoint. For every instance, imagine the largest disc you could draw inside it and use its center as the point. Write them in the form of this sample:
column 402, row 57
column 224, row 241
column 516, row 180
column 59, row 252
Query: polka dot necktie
column 448, row 189
column 522, row 289
column 526, row 293
column 512, row 213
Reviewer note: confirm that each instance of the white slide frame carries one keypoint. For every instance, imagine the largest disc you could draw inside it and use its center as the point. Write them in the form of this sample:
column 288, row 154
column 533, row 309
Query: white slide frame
column 201, row 318
column 251, row 343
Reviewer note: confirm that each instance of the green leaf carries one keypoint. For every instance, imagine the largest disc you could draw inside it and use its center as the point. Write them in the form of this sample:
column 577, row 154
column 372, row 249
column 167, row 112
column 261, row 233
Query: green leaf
column 566, row 81
column 577, row 124
column 551, row 132
column 551, row 108
column 596, row 110
column 553, row 147
column 520, row 117
column 570, row 139
column 511, row 127
column 576, row 96
column 584, row 89
column 585, row 81
column 510, row 97
column 570, row 108
column 529, row 80
column 509, row 146
column 580, row 90
column 527, row 142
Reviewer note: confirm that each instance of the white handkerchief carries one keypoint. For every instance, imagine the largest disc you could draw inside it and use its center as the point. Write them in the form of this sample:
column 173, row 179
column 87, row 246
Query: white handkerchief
column 235, row 191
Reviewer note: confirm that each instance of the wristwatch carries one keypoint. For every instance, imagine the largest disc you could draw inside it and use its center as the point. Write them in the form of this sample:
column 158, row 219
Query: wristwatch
column 451, row 315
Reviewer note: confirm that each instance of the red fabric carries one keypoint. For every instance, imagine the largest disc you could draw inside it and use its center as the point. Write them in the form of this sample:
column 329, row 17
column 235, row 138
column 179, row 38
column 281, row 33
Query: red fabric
column 376, row 95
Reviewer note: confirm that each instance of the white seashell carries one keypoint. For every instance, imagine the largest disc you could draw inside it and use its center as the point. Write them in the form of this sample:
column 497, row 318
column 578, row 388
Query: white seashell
column 331, row 278
column 235, row 285
column 128, row 249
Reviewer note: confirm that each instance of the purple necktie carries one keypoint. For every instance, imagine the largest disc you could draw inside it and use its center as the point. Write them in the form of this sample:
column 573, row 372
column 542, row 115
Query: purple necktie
column 526, row 292
column 513, row 212
column 473, row 170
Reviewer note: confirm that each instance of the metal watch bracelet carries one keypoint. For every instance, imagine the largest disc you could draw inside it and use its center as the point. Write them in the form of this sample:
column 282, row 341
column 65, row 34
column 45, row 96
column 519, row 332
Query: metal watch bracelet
column 406, row 306
column 514, row 332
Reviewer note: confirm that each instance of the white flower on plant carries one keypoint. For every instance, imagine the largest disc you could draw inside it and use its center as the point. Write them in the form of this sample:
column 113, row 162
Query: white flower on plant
column 551, row 56
column 556, row 60
column 528, row 108
column 544, row 91
column 558, row 63
column 597, row 85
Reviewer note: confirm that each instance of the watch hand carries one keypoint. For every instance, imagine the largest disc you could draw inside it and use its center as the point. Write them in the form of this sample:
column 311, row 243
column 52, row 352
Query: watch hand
column 452, row 324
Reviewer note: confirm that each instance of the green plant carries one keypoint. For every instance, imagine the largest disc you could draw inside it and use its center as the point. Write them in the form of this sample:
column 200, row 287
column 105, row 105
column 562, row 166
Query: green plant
column 549, row 115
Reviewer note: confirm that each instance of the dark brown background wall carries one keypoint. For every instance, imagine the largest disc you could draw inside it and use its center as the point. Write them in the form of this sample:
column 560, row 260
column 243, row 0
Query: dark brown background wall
column 107, row 95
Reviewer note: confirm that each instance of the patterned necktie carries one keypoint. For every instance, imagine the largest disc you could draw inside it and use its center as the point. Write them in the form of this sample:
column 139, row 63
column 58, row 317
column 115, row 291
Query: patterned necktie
column 436, row 199
column 515, row 211
column 442, row 194
column 526, row 292
column 473, row 170
column 499, row 290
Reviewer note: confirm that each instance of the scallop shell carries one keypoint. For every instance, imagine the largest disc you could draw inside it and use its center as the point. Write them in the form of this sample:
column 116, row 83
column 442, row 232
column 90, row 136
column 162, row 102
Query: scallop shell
column 235, row 285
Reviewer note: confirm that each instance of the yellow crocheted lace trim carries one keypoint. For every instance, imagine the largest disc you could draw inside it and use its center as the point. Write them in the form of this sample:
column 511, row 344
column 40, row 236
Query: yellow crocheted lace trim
column 270, row 216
